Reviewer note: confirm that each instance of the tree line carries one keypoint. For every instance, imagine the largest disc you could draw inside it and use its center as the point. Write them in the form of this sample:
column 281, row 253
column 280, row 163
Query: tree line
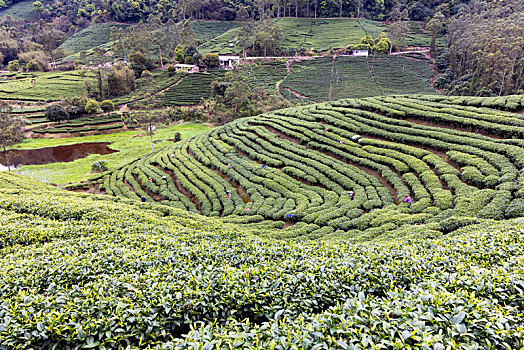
column 136, row 10
column 485, row 52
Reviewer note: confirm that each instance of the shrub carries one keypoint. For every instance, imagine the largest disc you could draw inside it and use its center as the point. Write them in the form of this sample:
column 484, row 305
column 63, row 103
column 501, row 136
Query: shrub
column 171, row 70
column 107, row 105
column 13, row 66
column 99, row 166
column 92, row 107
column 211, row 60
column 146, row 74
column 56, row 113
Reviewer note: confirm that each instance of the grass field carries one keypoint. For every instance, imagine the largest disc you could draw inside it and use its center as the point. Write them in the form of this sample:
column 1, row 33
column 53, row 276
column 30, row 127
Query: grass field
column 352, row 78
column 48, row 86
column 129, row 147
column 94, row 35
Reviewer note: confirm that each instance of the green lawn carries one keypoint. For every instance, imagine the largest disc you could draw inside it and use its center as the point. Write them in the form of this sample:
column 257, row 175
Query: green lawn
column 129, row 148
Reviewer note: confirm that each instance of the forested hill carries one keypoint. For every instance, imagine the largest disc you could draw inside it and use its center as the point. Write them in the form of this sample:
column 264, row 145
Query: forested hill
column 134, row 11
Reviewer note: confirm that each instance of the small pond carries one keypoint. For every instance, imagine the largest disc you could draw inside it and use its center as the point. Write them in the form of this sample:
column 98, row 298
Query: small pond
column 69, row 153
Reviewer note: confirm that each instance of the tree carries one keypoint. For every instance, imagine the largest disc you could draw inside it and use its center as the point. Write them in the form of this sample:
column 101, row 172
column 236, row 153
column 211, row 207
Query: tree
column 211, row 60
column 246, row 35
column 397, row 31
column 486, row 49
column 358, row 4
column 187, row 36
column 382, row 44
column 56, row 113
column 268, row 34
column 435, row 26
column 179, row 53
column 11, row 128
column 38, row 7
column 120, row 81
column 92, row 107
column 139, row 63
column 107, row 106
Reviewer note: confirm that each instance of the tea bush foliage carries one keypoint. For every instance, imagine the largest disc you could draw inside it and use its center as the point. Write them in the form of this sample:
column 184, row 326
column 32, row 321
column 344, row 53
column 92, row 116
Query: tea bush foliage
column 300, row 165
column 85, row 271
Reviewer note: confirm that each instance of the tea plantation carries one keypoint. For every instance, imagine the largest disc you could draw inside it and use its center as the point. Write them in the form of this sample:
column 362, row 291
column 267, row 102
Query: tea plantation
column 295, row 168
column 357, row 77
column 44, row 86
column 84, row 271
column 94, row 35
column 308, row 33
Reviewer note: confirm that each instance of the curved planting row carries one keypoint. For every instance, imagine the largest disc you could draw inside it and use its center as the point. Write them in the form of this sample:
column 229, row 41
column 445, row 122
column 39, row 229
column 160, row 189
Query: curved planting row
column 347, row 169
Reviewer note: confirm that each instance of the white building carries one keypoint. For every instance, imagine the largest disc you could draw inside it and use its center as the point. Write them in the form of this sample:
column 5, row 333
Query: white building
column 228, row 61
column 187, row 68
column 360, row 52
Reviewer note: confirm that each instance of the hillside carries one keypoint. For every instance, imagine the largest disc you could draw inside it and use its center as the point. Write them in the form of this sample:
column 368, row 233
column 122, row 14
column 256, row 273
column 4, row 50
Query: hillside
column 94, row 35
column 96, row 271
column 23, row 10
column 310, row 80
column 44, row 86
column 458, row 159
column 297, row 34
column 318, row 34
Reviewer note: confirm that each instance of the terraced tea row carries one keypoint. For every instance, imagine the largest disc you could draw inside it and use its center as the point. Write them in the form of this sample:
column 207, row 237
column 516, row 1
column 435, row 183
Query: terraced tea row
column 85, row 271
column 347, row 169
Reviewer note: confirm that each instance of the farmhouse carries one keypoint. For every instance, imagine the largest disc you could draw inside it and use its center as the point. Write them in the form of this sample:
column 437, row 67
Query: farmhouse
column 228, row 61
column 187, row 68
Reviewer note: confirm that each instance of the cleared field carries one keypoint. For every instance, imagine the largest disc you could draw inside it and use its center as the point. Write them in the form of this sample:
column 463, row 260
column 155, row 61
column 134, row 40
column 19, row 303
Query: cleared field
column 45, row 86
column 94, row 35
column 352, row 78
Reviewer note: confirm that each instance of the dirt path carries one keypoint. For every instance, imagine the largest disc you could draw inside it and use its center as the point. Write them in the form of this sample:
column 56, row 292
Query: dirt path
column 123, row 108
column 296, row 94
column 373, row 77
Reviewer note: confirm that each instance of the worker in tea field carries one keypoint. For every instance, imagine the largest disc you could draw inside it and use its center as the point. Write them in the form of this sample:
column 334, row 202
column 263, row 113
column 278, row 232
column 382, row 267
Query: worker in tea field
column 351, row 194
column 263, row 166
column 290, row 216
column 228, row 194
column 143, row 199
column 408, row 200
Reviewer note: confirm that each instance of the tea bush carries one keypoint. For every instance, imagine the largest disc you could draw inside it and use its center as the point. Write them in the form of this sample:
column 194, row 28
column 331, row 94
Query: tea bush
column 345, row 168
column 84, row 271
